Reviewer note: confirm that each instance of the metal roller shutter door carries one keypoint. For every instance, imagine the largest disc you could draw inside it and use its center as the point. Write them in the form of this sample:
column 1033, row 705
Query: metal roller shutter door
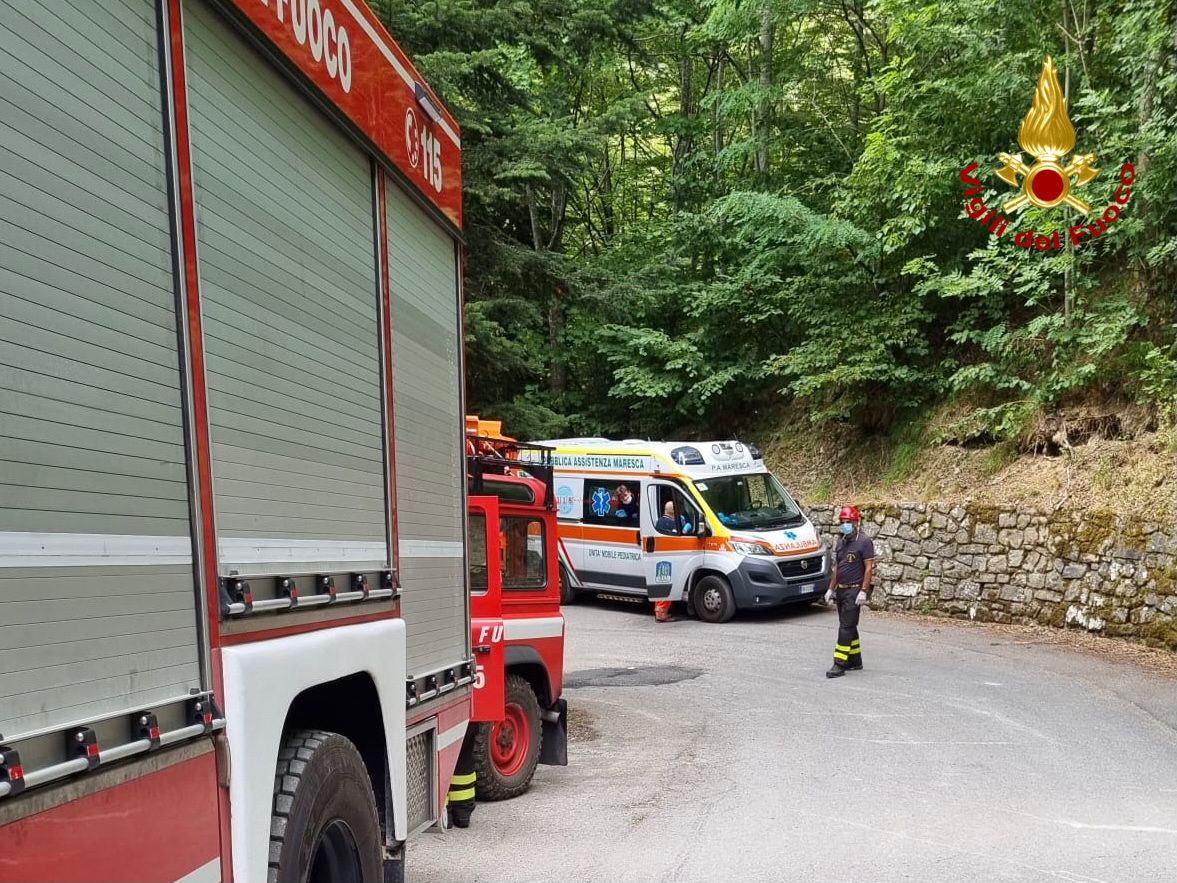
column 288, row 284
column 427, row 416
column 97, row 597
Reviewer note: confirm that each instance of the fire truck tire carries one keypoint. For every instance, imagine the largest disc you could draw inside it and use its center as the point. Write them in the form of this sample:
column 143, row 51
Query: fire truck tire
column 713, row 600
column 324, row 828
column 506, row 752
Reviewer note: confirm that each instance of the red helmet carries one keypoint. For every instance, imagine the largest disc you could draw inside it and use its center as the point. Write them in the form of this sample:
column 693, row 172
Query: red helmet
column 849, row 513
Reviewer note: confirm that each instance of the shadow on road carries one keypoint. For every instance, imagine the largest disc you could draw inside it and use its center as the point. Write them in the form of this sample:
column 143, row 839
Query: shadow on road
column 641, row 608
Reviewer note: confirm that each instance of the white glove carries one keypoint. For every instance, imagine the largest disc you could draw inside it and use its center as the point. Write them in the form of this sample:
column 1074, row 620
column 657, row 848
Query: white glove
column 829, row 596
column 862, row 599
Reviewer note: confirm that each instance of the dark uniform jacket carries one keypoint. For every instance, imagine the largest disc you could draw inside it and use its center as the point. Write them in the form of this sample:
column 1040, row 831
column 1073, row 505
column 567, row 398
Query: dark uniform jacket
column 852, row 554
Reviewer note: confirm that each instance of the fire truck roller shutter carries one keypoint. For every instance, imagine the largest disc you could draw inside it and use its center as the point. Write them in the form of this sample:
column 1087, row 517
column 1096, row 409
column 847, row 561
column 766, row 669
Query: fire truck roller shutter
column 288, row 281
column 429, row 423
column 97, row 596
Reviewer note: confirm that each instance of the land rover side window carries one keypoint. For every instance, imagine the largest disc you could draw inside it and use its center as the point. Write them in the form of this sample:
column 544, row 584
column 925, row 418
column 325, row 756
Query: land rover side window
column 478, row 575
column 685, row 517
column 522, row 548
column 612, row 502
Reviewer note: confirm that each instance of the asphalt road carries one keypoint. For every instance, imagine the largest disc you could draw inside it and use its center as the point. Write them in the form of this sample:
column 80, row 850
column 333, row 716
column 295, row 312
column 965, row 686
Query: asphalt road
column 722, row 753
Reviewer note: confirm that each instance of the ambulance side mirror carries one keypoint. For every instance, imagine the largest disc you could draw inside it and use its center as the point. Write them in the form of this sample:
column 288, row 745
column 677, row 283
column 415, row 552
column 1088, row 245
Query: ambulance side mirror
column 704, row 529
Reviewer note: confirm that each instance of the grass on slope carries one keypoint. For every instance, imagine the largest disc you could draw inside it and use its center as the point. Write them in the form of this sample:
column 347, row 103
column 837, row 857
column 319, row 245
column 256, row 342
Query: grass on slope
column 1135, row 473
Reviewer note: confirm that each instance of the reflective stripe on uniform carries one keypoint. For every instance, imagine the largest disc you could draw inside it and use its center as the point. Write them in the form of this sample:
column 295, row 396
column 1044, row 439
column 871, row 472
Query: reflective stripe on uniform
column 461, row 787
column 842, row 657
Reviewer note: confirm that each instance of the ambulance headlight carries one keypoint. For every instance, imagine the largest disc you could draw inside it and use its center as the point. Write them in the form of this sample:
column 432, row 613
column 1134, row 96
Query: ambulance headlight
column 750, row 548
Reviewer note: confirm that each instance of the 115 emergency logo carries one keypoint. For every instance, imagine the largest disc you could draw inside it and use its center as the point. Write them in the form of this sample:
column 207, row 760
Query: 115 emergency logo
column 423, row 149
column 1048, row 136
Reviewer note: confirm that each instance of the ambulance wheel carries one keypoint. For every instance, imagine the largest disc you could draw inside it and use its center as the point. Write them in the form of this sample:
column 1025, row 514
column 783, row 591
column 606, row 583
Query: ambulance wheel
column 324, row 827
column 712, row 599
column 506, row 752
column 567, row 592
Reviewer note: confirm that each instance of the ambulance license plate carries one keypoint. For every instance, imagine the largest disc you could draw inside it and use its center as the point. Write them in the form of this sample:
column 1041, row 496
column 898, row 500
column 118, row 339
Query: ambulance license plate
column 808, row 588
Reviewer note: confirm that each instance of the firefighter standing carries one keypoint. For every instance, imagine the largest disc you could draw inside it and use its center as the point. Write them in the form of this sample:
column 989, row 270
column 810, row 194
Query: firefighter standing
column 850, row 588
column 460, row 800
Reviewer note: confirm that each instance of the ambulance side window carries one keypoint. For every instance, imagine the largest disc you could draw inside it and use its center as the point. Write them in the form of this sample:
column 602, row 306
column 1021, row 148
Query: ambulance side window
column 686, row 514
column 478, row 575
column 522, row 553
column 612, row 502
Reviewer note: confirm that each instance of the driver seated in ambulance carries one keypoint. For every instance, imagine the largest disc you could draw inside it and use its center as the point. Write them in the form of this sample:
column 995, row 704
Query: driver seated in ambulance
column 668, row 523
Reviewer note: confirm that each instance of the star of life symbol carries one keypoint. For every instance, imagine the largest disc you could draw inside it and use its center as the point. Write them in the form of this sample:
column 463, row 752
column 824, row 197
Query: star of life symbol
column 600, row 502
column 412, row 137
column 1047, row 134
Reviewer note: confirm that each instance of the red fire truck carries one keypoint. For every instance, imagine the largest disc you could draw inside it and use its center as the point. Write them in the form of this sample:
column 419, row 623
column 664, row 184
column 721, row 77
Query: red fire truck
column 517, row 630
column 234, row 628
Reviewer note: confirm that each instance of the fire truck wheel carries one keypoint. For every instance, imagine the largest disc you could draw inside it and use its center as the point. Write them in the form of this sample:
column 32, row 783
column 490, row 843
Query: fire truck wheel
column 324, row 828
column 506, row 752
column 567, row 592
column 712, row 599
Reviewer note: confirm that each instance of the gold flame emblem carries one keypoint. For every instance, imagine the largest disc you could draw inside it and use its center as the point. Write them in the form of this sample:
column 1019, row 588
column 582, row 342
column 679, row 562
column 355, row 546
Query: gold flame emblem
column 1047, row 134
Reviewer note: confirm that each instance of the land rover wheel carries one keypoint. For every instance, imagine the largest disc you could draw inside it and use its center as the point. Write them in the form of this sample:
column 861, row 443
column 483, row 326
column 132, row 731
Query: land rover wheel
column 507, row 751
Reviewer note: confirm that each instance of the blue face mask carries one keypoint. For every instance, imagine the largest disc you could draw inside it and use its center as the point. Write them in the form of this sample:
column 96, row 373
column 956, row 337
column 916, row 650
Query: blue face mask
column 847, row 528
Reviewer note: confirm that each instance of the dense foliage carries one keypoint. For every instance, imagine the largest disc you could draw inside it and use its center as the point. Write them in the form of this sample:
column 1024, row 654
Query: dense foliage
column 678, row 210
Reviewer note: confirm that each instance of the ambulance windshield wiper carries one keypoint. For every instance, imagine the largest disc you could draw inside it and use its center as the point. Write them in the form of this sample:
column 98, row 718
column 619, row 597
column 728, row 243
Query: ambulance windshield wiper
column 778, row 522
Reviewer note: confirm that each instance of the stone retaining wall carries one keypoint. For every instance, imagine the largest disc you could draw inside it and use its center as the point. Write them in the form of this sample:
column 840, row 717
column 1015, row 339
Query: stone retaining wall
column 1093, row 570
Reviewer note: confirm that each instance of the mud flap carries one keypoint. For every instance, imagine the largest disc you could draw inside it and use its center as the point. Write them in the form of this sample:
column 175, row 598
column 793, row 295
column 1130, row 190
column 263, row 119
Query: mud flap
column 394, row 864
column 554, row 750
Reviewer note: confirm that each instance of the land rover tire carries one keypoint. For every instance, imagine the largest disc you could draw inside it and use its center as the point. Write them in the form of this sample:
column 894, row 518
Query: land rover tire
column 324, row 827
column 713, row 600
column 506, row 752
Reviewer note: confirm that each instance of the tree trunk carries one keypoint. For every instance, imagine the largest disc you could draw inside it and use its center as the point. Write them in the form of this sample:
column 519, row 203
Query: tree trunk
column 533, row 213
column 682, row 140
column 718, row 115
column 557, row 378
column 767, row 44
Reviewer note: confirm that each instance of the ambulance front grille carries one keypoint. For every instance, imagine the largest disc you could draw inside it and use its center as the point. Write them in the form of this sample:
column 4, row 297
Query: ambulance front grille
column 419, row 779
column 798, row 568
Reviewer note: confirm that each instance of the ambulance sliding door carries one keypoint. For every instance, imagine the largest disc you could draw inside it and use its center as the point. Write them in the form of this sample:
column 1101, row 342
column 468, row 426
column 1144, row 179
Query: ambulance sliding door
column 611, row 552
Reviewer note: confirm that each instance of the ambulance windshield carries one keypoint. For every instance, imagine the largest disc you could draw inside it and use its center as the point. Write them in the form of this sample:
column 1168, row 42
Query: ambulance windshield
column 753, row 501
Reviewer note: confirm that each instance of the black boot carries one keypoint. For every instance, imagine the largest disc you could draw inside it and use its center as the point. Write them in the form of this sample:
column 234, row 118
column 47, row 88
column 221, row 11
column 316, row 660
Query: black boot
column 460, row 815
column 854, row 666
column 836, row 671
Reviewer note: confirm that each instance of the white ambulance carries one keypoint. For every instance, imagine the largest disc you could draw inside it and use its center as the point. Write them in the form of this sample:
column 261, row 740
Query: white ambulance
column 701, row 521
